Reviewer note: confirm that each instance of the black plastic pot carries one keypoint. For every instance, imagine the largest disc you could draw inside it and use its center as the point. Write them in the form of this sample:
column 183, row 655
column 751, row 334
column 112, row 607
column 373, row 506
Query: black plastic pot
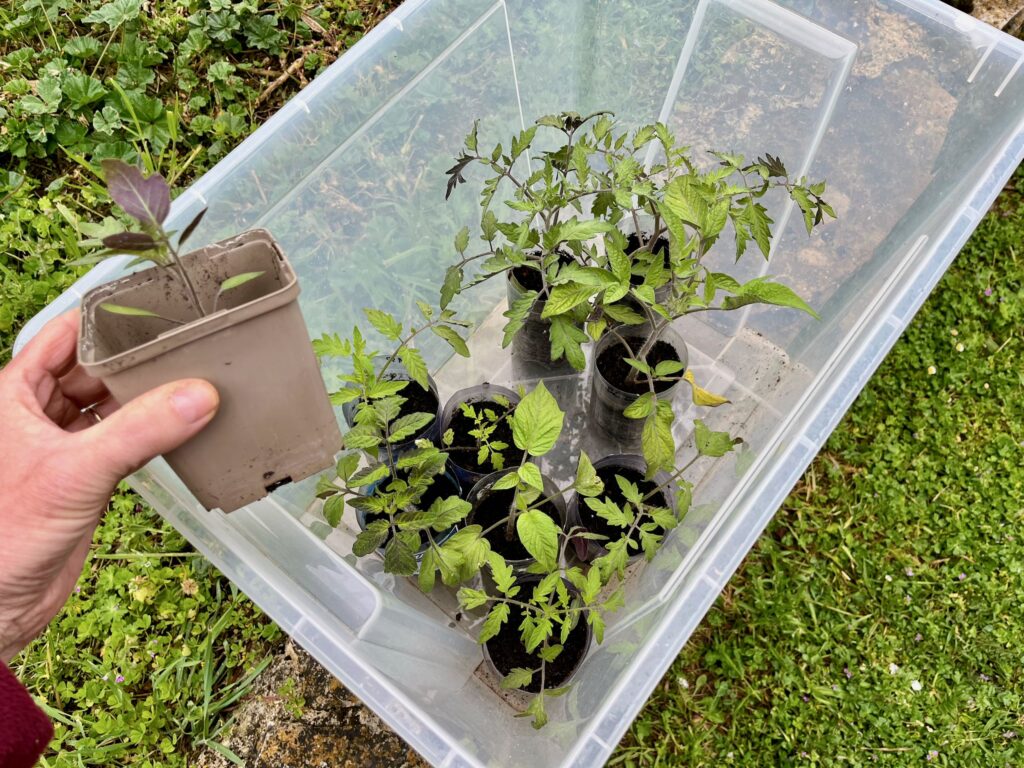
column 490, row 506
column 416, row 402
column 505, row 651
column 444, row 486
column 660, row 248
column 608, row 398
column 532, row 343
column 460, row 455
column 632, row 467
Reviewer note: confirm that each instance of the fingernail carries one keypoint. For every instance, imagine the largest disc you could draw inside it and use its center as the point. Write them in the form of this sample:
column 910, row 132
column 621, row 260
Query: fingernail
column 194, row 402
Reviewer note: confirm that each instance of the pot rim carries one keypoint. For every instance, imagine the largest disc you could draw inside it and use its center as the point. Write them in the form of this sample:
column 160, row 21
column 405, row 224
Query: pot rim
column 192, row 330
column 669, row 335
column 530, row 578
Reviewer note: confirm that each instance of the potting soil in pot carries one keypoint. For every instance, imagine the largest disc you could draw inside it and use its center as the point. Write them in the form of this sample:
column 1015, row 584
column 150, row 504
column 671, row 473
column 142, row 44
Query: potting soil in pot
column 597, row 524
column 507, row 653
column 463, row 450
column 613, row 366
column 496, row 507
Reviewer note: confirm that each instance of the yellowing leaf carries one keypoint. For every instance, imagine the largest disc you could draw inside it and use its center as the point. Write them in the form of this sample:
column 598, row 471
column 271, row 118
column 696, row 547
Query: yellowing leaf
column 703, row 396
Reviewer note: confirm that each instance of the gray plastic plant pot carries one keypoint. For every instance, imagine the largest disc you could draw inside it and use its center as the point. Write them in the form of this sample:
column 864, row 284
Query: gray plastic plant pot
column 275, row 423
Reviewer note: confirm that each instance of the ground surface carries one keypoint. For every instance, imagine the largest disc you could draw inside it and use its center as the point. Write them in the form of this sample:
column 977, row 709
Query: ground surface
column 879, row 619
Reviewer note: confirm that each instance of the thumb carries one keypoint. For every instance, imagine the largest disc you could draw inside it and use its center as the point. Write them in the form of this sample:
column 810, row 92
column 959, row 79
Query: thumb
column 153, row 423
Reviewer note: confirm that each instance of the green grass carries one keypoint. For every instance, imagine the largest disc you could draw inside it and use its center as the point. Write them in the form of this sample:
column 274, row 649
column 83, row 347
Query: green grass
column 902, row 545
column 860, row 570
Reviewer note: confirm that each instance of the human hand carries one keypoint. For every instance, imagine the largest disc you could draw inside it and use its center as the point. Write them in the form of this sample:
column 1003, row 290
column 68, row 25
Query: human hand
column 58, row 468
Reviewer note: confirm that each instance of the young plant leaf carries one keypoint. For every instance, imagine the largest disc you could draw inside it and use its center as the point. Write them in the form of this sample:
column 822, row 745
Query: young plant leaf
column 587, row 481
column 761, row 290
column 385, row 323
column 453, row 338
column 187, row 232
column 147, row 200
column 517, row 678
column 537, row 422
column 117, row 309
column 530, row 475
column 334, row 507
column 539, row 535
column 702, row 396
column 130, row 242
column 492, row 624
column 237, row 280
column 712, row 443
column 415, row 366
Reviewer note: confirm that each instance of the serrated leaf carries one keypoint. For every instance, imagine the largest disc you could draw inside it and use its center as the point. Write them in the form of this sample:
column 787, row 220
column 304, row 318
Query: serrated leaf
column 453, row 338
column 537, row 422
column 762, row 290
column 492, row 624
column 588, row 483
column 399, row 557
column 501, row 572
column 574, row 229
column 415, row 366
column 642, row 407
column 347, row 464
column 451, row 286
column 516, row 679
column 447, row 512
column 659, row 446
column 538, row 533
column 610, row 512
column 237, row 280
column 409, row 426
column 462, row 240
column 567, row 340
column 385, row 323
column 565, row 297
column 711, row 443
column 536, row 711
column 530, row 474
column 334, row 507
column 371, row 538
column 368, row 475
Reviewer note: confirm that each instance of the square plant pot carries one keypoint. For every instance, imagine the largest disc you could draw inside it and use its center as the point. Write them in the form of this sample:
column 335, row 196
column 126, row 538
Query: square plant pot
column 275, row 423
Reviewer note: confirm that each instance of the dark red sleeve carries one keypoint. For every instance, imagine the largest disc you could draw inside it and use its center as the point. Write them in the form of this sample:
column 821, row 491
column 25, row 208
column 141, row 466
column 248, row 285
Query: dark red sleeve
column 24, row 729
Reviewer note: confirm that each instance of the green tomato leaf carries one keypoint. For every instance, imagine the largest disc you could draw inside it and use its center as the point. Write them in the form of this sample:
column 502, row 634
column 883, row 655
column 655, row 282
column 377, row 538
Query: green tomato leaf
column 237, row 280
column 517, row 678
column 712, row 443
column 537, row 422
column 539, row 535
column 587, row 481
column 453, row 338
column 530, row 474
column 415, row 366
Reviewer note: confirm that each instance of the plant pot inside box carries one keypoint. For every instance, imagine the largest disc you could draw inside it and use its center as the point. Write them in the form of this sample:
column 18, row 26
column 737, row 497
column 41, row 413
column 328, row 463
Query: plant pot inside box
column 492, row 508
column 467, row 461
column 275, row 423
column 612, row 390
column 633, row 469
column 532, row 343
column 417, row 400
column 505, row 651
column 444, row 485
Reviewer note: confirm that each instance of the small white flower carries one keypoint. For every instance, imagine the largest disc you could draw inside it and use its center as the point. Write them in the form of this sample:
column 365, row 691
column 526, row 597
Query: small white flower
column 932, row 370
column 959, row 347
column 909, row 571
column 893, row 668
column 954, row 332
column 683, row 682
column 985, row 386
column 888, row 577
column 915, row 685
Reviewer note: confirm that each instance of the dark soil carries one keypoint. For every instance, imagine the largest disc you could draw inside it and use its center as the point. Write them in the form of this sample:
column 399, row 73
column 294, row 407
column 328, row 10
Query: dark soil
column 463, row 450
column 660, row 247
column 494, row 508
column 442, row 488
column 616, row 370
column 530, row 279
column 596, row 524
column 419, row 400
column 507, row 652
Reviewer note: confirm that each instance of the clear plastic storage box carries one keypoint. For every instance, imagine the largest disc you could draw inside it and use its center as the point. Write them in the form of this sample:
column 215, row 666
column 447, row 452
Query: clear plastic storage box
column 913, row 113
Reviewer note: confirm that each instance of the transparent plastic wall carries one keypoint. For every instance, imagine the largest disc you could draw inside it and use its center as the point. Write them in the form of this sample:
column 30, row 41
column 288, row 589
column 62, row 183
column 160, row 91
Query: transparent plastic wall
column 911, row 111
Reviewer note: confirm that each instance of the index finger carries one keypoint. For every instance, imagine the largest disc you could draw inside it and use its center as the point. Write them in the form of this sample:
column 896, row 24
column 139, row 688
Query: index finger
column 52, row 351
